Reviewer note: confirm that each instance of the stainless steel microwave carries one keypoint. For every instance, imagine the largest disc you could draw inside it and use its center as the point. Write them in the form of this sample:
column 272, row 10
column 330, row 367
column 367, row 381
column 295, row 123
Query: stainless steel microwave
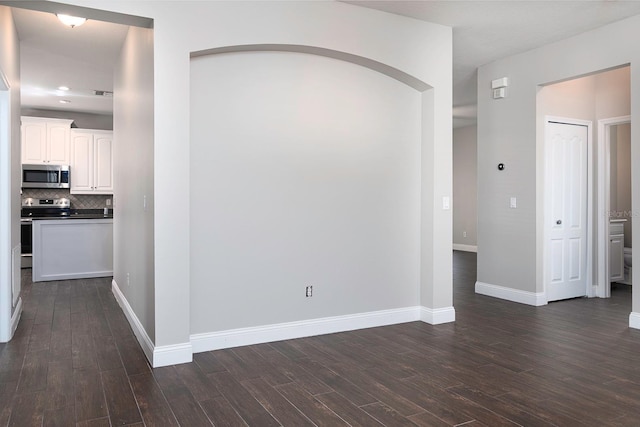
column 45, row 176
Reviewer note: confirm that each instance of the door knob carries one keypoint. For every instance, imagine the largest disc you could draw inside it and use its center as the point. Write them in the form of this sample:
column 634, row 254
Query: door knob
column 559, row 222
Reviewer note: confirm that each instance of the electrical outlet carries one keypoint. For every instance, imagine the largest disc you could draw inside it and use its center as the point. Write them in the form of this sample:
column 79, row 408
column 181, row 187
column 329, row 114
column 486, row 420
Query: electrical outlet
column 108, row 202
column 464, row 234
column 309, row 291
column 128, row 280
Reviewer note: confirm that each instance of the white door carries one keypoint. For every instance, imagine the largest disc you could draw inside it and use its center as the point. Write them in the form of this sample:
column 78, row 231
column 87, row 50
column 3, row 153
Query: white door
column 566, row 210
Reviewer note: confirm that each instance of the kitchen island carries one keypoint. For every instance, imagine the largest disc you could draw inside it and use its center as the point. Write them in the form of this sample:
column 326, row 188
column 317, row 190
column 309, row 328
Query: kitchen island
column 72, row 248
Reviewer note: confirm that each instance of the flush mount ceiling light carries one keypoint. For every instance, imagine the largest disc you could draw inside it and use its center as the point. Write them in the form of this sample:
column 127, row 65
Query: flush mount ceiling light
column 71, row 21
column 64, row 101
column 65, row 88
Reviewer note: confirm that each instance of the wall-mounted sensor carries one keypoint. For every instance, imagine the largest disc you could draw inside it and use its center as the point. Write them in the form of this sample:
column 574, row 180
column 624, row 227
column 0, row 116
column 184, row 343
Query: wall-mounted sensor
column 500, row 166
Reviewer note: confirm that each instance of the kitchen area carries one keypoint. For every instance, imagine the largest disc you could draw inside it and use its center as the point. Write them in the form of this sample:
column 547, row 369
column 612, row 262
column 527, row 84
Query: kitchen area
column 67, row 190
column 67, row 148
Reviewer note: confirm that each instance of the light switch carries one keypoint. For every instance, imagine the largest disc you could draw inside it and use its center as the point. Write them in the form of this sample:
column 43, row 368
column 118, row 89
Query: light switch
column 513, row 203
column 445, row 203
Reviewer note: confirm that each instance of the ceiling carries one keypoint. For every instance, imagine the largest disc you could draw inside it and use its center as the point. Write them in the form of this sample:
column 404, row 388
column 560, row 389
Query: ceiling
column 483, row 31
column 81, row 58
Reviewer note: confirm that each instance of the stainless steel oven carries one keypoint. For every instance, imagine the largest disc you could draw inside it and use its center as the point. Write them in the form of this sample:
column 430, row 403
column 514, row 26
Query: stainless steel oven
column 34, row 209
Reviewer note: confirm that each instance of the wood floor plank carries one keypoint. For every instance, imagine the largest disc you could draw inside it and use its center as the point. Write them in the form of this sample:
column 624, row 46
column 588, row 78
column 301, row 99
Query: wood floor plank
column 153, row 405
column 60, row 385
column 121, row 403
column 197, row 382
column 33, row 376
column 243, row 402
column 279, row 407
column 347, row 410
column 89, row 395
column 27, row 410
column 387, row 415
column 221, row 413
column 61, row 417
column 293, row 369
column 208, row 362
column 108, row 357
column 313, row 409
column 339, row 383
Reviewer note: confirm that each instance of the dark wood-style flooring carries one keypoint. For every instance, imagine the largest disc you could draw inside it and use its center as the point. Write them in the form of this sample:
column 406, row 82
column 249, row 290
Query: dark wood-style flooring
column 75, row 361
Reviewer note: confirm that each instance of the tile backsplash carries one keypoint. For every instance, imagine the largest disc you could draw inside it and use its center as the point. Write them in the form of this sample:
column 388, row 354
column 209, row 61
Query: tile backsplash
column 78, row 201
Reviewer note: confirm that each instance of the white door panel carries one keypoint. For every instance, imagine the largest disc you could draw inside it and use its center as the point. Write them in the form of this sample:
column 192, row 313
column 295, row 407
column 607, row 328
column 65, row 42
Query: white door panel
column 566, row 218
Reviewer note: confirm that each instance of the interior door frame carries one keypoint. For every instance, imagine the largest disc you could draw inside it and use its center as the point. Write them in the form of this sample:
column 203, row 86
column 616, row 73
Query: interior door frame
column 6, row 275
column 603, row 288
column 589, row 291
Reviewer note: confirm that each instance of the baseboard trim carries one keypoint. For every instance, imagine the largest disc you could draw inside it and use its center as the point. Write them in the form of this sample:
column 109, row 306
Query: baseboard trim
column 306, row 328
column 437, row 316
column 158, row 356
column 634, row 320
column 509, row 294
column 136, row 325
column 465, row 248
column 172, row 354
column 15, row 318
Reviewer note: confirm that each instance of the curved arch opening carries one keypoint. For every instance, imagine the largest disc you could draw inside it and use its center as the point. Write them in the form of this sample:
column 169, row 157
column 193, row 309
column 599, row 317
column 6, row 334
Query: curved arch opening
column 385, row 69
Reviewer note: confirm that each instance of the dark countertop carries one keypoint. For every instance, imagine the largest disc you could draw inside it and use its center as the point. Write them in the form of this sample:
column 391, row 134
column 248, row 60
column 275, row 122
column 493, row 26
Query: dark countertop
column 81, row 214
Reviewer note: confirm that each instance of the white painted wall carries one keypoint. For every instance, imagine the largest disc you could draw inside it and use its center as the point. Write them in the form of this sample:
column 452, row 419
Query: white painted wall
column 133, row 234
column 417, row 48
column 465, row 193
column 304, row 170
column 510, row 241
column 9, row 164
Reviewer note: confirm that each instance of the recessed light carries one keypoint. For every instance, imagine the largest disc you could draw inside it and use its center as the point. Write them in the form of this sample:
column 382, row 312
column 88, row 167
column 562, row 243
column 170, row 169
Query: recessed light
column 64, row 101
column 65, row 88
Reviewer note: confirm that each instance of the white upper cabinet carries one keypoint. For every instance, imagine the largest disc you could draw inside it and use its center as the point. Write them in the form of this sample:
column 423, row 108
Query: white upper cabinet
column 91, row 161
column 45, row 140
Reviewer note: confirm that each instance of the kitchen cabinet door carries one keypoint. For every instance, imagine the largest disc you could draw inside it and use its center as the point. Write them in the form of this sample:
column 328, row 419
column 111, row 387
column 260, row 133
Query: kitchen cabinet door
column 81, row 162
column 92, row 161
column 34, row 142
column 58, row 143
column 45, row 140
column 103, row 162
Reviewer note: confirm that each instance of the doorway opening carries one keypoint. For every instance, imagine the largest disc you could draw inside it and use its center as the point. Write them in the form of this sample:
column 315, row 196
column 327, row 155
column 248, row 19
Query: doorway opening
column 603, row 99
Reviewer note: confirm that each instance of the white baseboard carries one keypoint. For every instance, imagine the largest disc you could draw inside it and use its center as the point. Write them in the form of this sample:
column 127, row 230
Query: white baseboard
column 172, row 355
column 437, row 316
column 509, row 294
column 465, row 248
column 305, row 328
column 15, row 318
column 634, row 320
column 157, row 356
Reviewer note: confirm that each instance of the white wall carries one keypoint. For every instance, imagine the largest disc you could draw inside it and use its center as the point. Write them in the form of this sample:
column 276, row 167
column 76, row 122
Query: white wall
column 417, row 48
column 133, row 234
column 304, row 170
column 510, row 241
column 465, row 194
column 9, row 164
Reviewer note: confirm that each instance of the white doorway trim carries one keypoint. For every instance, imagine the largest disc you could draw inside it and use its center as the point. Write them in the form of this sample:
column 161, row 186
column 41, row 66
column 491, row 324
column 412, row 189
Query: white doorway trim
column 589, row 291
column 6, row 266
column 603, row 286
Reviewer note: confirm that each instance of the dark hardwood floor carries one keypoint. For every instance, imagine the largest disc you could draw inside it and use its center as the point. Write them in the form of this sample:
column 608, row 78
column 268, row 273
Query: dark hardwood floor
column 75, row 361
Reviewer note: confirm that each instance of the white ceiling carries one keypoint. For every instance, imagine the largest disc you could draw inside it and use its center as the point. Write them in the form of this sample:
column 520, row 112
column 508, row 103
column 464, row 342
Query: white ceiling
column 53, row 55
column 483, row 31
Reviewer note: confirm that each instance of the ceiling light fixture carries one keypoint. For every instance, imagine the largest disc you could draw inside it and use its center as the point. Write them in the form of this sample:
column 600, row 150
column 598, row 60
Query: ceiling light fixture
column 64, row 101
column 71, row 21
column 65, row 88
